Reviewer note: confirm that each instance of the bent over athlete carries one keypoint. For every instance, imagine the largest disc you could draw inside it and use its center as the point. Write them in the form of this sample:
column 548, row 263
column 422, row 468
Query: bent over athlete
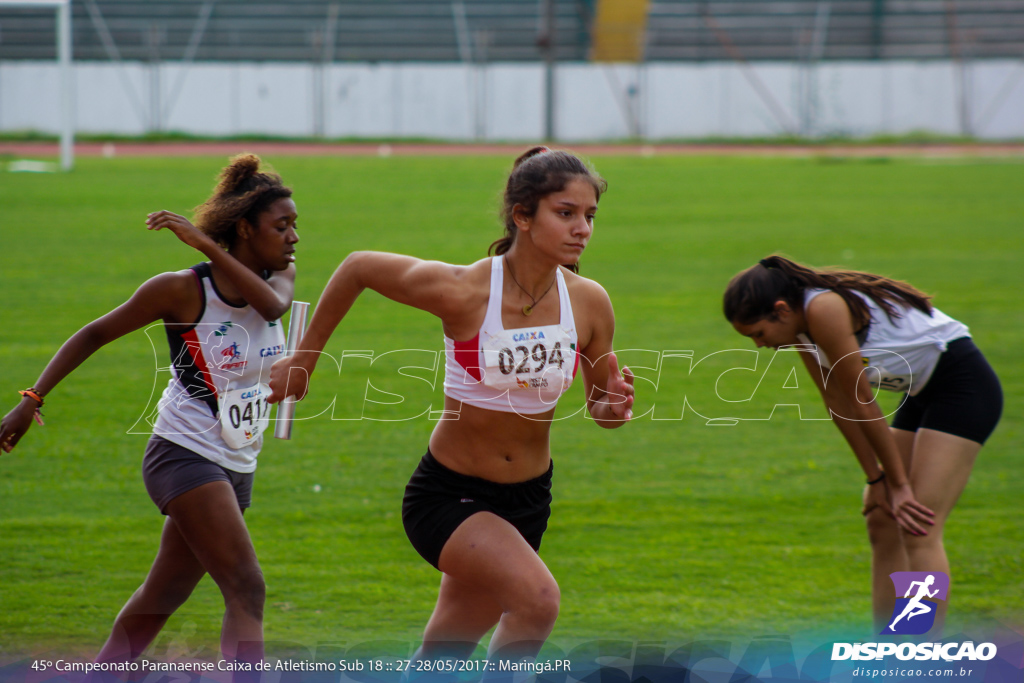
column 859, row 331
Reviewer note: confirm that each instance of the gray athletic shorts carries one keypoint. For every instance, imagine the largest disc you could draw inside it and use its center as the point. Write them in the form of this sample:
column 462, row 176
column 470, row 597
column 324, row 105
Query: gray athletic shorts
column 170, row 470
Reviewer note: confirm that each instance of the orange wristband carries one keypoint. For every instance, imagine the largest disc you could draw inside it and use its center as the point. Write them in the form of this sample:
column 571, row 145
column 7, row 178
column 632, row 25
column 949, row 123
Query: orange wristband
column 31, row 393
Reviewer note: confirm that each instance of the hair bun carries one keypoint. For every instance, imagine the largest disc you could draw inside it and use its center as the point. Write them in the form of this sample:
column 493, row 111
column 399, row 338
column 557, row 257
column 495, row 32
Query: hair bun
column 235, row 174
column 530, row 153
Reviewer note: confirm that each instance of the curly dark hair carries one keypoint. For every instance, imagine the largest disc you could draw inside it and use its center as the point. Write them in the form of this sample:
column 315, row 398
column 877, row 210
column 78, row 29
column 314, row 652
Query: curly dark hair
column 536, row 174
column 242, row 192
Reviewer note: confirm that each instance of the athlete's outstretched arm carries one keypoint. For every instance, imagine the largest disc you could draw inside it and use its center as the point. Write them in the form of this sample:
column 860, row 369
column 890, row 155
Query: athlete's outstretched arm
column 430, row 286
column 159, row 298
column 271, row 298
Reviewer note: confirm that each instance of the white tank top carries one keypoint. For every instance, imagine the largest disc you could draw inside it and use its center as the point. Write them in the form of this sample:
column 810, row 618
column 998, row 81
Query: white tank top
column 216, row 401
column 524, row 370
column 902, row 352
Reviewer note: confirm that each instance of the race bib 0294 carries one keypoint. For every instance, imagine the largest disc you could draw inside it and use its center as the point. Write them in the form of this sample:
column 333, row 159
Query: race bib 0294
column 534, row 359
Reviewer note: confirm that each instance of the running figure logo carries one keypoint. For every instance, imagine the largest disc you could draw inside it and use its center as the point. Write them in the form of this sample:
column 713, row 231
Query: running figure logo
column 914, row 613
column 231, row 352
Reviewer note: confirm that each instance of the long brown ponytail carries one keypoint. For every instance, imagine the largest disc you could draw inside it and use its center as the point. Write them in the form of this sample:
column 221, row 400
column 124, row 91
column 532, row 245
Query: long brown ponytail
column 537, row 173
column 751, row 295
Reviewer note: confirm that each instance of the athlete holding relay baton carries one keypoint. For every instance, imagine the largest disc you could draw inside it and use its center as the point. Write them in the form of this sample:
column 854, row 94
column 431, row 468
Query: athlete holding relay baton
column 222, row 324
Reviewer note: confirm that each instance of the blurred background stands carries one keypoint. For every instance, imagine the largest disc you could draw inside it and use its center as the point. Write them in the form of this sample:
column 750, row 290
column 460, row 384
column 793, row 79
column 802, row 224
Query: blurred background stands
column 513, row 30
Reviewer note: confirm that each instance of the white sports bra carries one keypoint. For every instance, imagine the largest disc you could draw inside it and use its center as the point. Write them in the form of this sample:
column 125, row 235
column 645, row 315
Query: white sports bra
column 525, row 370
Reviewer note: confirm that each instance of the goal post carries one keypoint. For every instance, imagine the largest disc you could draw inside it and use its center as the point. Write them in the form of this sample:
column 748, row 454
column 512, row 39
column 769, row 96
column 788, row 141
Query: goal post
column 62, row 10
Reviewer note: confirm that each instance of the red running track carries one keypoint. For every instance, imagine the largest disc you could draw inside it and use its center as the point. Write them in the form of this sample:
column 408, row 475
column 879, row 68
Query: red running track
column 269, row 149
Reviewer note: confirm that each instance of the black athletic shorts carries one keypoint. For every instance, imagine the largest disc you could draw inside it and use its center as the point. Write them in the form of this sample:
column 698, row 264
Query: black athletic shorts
column 170, row 470
column 437, row 500
column 963, row 396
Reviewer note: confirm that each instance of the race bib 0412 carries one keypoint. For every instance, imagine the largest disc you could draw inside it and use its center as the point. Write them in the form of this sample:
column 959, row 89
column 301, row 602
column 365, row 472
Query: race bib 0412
column 244, row 415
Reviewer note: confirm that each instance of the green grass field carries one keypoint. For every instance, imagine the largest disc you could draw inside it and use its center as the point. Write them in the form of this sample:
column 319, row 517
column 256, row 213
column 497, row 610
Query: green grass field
column 668, row 529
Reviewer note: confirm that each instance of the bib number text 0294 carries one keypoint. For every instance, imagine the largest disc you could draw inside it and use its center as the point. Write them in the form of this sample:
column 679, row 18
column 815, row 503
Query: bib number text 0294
column 531, row 360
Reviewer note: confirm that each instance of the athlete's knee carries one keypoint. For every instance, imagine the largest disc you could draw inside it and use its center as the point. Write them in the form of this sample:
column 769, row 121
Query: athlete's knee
column 245, row 587
column 927, row 545
column 540, row 605
column 882, row 529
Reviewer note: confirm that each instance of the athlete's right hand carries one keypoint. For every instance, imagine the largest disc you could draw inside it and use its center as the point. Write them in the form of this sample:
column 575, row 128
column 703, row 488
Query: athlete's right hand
column 15, row 424
column 877, row 496
column 290, row 376
column 182, row 229
column 619, row 391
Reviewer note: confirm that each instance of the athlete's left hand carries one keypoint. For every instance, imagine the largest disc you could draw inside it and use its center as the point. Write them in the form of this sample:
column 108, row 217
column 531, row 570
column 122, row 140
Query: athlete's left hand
column 619, row 391
column 182, row 229
column 909, row 513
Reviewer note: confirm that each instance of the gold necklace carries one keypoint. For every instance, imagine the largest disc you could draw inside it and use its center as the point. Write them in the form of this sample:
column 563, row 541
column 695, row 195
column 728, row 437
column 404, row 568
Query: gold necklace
column 528, row 308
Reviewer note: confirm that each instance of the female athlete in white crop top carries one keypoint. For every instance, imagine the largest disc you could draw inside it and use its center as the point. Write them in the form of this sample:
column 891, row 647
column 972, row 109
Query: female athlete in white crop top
column 523, row 370
column 514, row 325
column 862, row 331
column 247, row 230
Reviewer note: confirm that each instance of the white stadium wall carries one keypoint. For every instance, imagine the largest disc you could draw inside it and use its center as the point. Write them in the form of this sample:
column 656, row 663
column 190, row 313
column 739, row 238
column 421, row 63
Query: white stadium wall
column 657, row 101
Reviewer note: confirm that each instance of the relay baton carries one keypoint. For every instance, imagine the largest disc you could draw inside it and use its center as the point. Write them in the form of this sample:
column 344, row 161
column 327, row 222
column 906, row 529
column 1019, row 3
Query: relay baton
column 286, row 408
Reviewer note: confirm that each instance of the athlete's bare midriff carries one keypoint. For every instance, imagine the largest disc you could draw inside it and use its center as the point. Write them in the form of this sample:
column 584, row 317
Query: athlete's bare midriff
column 489, row 444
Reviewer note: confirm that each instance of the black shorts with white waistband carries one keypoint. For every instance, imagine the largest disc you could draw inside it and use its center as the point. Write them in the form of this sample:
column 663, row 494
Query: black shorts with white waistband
column 437, row 500
column 963, row 396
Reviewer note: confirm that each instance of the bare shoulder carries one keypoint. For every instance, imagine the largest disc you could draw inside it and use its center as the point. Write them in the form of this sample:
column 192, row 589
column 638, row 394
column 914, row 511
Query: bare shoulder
column 830, row 324
column 171, row 284
column 586, row 293
column 465, row 299
column 177, row 292
column 472, row 283
column 827, row 302
column 476, row 273
column 828, row 311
